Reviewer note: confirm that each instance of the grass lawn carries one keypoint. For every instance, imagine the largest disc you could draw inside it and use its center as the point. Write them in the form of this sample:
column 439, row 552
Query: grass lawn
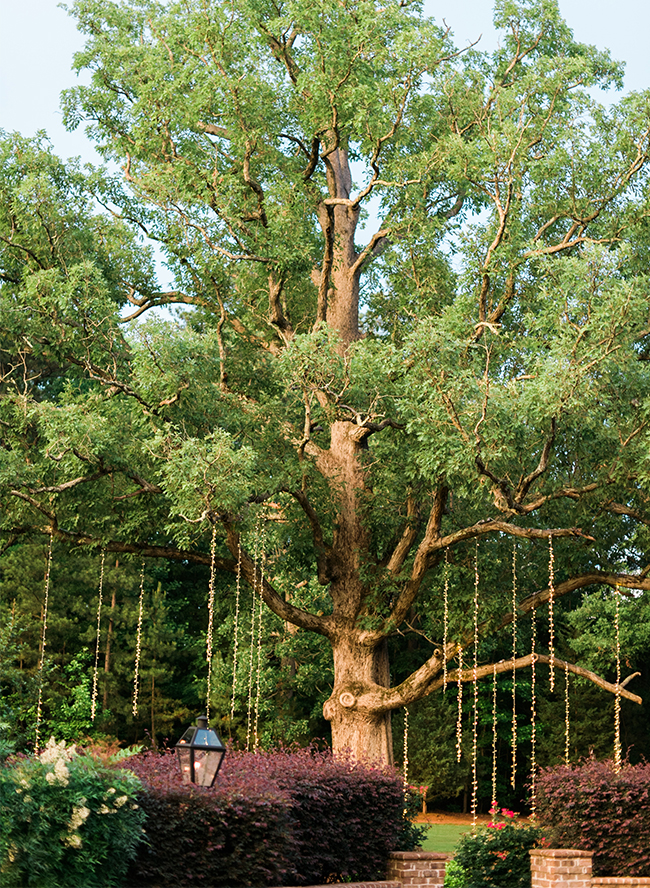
column 442, row 837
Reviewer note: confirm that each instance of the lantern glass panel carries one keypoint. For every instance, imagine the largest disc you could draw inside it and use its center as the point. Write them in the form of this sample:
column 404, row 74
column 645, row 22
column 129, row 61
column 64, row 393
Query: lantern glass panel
column 185, row 761
column 188, row 735
column 206, row 737
column 206, row 765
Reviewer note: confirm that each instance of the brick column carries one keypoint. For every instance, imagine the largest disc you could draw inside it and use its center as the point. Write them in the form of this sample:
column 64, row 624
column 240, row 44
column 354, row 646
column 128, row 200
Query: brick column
column 417, row 869
column 560, row 868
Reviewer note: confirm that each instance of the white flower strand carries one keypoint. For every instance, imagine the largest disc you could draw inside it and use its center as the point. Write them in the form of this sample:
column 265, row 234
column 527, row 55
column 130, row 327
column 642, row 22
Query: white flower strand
column 617, row 701
column 459, row 717
column 513, row 773
column 249, row 719
column 260, row 618
column 236, row 643
column 445, row 619
column 494, row 735
column 93, row 706
column 567, row 724
column 210, row 632
column 406, row 746
column 39, row 707
column 475, row 681
column 138, row 645
column 533, row 703
column 551, row 627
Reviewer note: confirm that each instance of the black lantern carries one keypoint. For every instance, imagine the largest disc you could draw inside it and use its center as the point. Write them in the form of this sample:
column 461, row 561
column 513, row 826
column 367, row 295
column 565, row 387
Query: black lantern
column 200, row 753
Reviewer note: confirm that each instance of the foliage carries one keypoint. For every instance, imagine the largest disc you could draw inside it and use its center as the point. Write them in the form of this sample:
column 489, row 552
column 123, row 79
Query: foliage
column 173, row 646
column 497, row 855
column 285, row 817
column 66, row 820
column 352, row 413
column 589, row 806
column 454, row 875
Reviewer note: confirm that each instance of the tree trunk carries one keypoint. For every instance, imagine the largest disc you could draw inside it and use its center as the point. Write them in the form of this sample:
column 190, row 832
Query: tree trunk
column 366, row 734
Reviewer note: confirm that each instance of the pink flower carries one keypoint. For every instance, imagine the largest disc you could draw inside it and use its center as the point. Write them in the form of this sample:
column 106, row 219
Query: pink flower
column 507, row 813
column 501, row 854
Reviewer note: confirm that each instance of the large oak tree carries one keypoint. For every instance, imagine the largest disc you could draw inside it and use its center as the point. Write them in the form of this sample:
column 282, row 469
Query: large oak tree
column 416, row 317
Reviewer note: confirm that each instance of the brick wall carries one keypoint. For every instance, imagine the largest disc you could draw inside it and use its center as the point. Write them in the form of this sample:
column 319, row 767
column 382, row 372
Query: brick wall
column 566, row 868
column 621, row 882
column 407, row 869
column 417, row 869
column 560, row 868
column 359, row 885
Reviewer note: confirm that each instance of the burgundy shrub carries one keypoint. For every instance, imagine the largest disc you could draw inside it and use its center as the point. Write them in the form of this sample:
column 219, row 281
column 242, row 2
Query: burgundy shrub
column 294, row 817
column 589, row 807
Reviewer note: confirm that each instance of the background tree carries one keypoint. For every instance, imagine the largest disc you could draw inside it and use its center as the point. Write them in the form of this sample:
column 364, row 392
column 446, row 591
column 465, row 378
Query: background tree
column 469, row 369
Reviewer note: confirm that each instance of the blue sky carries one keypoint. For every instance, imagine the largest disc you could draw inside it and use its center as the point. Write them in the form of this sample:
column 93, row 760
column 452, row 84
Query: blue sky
column 38, row 39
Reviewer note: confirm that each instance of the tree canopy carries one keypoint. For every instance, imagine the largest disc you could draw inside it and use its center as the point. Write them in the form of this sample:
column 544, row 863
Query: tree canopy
column 411, row 329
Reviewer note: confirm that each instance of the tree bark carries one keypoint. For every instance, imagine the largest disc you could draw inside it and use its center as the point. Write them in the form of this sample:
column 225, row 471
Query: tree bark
column 364, row 733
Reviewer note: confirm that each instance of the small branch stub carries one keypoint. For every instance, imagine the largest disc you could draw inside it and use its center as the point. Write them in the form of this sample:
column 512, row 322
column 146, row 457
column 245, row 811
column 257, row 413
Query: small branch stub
column 347, row 699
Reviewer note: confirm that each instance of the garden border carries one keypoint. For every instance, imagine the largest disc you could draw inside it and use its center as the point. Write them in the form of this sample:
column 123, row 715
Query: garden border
column 406, row 869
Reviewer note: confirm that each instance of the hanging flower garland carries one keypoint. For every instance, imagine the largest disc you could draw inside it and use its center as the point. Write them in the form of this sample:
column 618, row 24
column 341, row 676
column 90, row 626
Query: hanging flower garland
column 236, row 640
column 41, row 665
column 475, row 683
column 551, row 626
column 93, row 705
column 513, row 773
column 445, row 622
column 138, row 646
column 210, row 632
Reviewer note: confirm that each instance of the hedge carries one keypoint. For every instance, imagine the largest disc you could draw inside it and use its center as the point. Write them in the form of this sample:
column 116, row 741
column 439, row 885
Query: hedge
column 295, row 817
column 590, row 807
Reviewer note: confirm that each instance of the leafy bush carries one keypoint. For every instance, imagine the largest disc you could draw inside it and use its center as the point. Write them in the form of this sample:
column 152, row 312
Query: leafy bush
column 274, row 818
column 496, row 855
column 454, row 875
column 590, row 807
column 66, row 820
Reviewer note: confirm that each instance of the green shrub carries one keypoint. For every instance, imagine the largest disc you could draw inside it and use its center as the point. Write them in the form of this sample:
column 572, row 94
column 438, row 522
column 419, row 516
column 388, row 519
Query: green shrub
column 454, row 875
column 66, row 821
column 496, row 856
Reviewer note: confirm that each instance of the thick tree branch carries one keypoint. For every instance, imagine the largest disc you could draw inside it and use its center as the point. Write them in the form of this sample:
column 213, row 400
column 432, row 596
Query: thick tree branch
column 628, row 511
column 324, row 551
column 377, row 244
column 597, row 577
column 421, row 563
column 65, row 485
column 326, row 218
column 408, row 537
column 374, row 698
column 144, row 550
column 276, row 311
column 322, row 625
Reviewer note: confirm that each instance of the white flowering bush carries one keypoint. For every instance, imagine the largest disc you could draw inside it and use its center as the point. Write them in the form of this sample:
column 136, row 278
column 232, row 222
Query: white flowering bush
column 67, row 821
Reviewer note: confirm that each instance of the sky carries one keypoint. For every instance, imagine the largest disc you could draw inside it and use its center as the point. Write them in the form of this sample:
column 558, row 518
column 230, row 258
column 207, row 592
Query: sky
column 38, row 40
